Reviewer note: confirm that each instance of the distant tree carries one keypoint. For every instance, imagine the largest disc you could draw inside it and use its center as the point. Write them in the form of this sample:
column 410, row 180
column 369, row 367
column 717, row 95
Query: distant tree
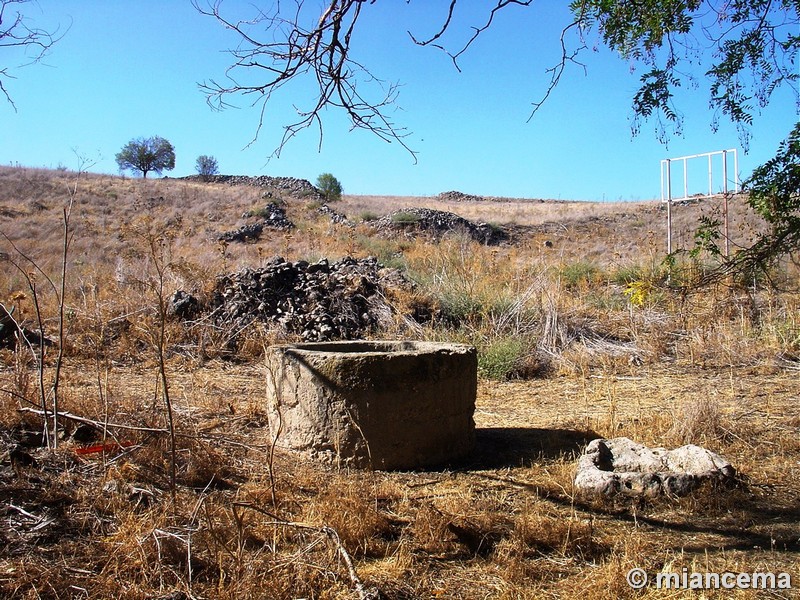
column 744, row 49
column 147, row 154
column 206, row 166
column 330, row 187
column 16, row 31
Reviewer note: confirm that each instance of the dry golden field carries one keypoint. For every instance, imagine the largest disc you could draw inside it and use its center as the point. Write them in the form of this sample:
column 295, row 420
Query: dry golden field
column 579, row 334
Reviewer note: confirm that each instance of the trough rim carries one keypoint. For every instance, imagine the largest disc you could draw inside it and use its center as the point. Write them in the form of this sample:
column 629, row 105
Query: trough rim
column 400, row 348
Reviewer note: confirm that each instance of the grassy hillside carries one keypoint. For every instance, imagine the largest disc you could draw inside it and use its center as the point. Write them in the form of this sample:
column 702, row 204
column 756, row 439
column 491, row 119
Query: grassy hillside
column 578, row 335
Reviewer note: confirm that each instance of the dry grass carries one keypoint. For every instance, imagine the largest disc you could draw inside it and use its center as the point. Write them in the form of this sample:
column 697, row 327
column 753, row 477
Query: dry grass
column 717, row 368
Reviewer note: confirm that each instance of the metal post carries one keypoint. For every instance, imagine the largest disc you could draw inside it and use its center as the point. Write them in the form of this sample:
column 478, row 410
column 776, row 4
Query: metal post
column 685, row 179
column 710, row 177
column 725, row 196
column 669, row 206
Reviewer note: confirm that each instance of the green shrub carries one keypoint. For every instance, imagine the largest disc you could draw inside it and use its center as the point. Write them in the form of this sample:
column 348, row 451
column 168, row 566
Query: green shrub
column 330, row 187
column 206, row 166
column 579, row 274
column 461, row 307
column 388, row 252
column 501, row 358
column 405, row 218
column 627, row 275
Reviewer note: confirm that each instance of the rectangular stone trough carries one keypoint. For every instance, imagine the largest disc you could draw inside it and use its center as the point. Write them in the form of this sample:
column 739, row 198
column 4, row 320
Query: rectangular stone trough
column 380, row 405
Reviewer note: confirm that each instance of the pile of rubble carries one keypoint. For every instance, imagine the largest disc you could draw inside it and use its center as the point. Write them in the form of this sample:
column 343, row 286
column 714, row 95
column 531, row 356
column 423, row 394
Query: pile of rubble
column 454, row 196
column 438, row 223
column 273, row 217
column 319, row 301
column 290, row 185
column 336, row 218
column 11, row 332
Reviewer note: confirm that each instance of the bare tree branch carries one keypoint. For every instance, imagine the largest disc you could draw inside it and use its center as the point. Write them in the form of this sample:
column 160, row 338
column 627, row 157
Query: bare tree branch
column 285, row 44
column 477, row 31
column 16, row 32
column 567, row 56
column 321, row 51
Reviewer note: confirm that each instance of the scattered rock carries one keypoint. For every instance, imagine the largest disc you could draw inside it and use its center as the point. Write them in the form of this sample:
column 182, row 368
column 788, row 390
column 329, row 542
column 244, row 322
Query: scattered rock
column 621, row 466
column 272, row 217
column 319, row 301
column 245, row 233
column 183, row 306
column 336, row 218
column 438, row 223
column 11, row 331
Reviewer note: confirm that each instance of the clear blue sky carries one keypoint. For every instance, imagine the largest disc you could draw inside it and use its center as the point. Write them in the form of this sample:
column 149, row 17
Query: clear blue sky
column 125, row 70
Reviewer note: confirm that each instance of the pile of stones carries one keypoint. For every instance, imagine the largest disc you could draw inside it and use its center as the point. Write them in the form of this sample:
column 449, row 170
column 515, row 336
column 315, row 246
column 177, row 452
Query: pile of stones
column 11, row 333
column 273, row 217
column 290, row 185
column 336, row 218
column 454, row 196
column 320, row 301
column 438, row 223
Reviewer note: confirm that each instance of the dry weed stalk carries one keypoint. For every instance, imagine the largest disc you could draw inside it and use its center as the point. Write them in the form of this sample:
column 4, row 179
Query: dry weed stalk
column 59, row 292
column 700, row 421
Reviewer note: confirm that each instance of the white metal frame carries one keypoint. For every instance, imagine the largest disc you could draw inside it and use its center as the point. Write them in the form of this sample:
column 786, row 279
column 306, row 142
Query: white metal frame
column 666, row 178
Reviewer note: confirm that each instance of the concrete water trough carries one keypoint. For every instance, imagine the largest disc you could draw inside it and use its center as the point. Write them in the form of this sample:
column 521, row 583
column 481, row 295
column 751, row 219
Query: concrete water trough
column 373, row 404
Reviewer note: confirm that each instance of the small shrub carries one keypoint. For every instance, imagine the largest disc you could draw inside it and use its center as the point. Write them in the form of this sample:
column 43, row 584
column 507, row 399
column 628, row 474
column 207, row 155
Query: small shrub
column 579, row 274
column 262, row 213
column 501, row 359
column 388, row 252
column 627, row 275
column 639, row 292
column 368, row 216
column 405, row 218
column 330, row 187
column 206, row 166
column 459, row 307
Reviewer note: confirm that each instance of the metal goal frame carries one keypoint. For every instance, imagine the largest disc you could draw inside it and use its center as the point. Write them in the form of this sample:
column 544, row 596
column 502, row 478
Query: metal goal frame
column 667, row 188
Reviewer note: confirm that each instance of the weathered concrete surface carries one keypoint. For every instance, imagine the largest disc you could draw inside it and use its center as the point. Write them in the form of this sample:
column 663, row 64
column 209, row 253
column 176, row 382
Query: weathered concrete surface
column 621, row 466
column 380, row 405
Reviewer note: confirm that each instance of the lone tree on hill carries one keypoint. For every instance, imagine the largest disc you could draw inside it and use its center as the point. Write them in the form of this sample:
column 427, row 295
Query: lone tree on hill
column 206, row 166
column 330, row 187
column 147, row 154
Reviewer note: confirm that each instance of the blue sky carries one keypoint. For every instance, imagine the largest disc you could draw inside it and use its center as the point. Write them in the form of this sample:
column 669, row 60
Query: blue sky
column 120, row 72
